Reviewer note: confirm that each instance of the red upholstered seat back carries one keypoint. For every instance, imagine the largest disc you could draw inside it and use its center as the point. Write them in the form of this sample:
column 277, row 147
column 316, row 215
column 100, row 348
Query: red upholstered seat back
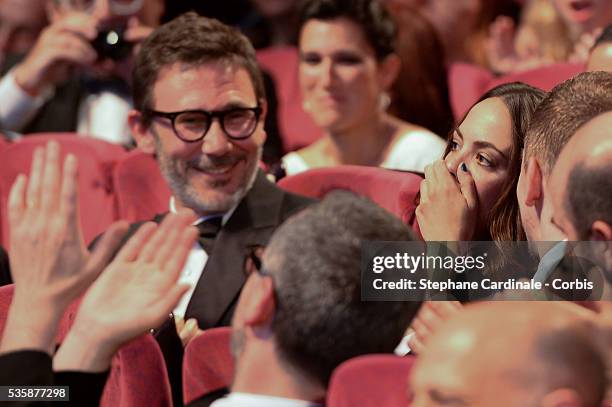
column 371, row 381
column 208, row 365
column 393, row 190
column 296, row 127
column 138, row 376
column 466, row 83
column 142, row 192
column 96, row 161
column 6, row 296
column 546, row 77
column 3, row 143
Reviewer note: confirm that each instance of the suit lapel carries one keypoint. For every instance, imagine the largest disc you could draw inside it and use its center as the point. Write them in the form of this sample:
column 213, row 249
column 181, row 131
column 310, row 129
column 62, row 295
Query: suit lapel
column 252, row 223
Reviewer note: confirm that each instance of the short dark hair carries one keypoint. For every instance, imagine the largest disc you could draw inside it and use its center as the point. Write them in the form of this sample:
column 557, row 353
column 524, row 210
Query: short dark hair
column 589, row 189
column 320, row 320
column 604, row 37
column 567, row 107
column 376, row 23
column 521, row 100
column 191, row 40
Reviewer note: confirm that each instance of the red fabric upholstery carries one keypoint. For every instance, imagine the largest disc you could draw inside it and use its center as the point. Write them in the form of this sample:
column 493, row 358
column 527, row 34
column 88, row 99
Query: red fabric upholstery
column 3, row 143
column 208, row 365
column 371, row 381
column 296, row 127
column 546, row 77
column 142, row 192
column 6, row 296
column 96, row 160
column 466, row 83
column 393, row 190
column 138, row 376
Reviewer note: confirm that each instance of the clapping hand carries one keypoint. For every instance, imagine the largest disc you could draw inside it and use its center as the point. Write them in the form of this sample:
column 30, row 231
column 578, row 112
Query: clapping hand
column 49, row 261
column 134, row 293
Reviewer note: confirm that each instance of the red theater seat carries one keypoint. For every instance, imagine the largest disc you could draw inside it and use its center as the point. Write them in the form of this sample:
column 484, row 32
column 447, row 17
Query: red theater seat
column 6, row 296
column 138, row 376
column 371, row 381
column 142, row 192
column 297, row 128
column 466, row 83
column 393, row 190
column 3, row 143
column 546, row 77
column 208, row 364
column 96, row 160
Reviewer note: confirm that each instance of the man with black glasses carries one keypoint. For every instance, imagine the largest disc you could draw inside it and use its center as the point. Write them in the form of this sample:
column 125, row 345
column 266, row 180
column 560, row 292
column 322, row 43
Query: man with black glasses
column 200, row 107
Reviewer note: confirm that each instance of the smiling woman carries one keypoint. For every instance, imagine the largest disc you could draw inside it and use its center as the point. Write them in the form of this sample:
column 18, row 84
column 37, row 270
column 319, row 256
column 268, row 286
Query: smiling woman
column 471, row 194
column 347, row 67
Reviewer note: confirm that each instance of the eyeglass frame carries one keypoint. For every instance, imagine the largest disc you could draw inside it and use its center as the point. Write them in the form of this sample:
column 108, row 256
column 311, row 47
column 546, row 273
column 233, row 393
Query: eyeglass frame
column 211, row 115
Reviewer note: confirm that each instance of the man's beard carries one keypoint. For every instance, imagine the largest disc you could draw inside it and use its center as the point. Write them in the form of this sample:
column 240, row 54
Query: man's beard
column 190, row 197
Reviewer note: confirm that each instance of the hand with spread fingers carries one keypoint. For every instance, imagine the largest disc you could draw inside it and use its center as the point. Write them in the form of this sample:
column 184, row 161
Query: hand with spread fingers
column 134, row 293
column 448, row 207
column 50, row 264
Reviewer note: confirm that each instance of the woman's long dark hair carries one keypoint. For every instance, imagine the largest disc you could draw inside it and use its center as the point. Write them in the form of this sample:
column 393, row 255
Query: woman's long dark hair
column 520, row 100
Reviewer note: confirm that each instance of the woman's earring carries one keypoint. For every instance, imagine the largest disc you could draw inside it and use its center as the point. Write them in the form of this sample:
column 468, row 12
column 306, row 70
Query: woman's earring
column 384, row 101
column 306, row 105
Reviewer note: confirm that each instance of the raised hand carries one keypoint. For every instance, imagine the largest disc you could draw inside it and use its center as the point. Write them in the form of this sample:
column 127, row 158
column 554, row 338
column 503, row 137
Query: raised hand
column 50, row 264
column 448, row 208
column 135, row 292
column 61, row 46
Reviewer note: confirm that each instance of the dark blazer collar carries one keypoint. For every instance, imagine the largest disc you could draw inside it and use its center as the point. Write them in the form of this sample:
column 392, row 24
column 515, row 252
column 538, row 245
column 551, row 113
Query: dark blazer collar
column 252, row 223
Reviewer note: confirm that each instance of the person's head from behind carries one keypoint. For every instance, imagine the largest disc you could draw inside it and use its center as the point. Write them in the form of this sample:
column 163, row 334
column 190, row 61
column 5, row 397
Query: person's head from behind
column 200, row 106
column 487, row 143
column 302, row 309
column 20, row 23
column 347, row 61
column 581, row 186
column 600, row 58
column 420, row 93
column 566, row 108
column 554, row 360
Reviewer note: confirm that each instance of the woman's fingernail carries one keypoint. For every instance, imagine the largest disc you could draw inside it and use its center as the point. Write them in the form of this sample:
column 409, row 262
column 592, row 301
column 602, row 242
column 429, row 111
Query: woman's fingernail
column 464, row 167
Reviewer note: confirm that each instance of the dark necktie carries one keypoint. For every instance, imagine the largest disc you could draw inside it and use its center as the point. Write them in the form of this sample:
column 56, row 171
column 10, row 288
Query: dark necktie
column 208, row 229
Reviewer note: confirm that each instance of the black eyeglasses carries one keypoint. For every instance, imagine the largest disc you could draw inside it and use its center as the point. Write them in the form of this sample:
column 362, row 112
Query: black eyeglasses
column 237, row 123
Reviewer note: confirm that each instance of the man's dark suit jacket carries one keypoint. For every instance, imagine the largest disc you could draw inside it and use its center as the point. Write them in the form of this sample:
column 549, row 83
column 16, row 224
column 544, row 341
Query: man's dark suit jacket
column 214, row 299
column 58, row 114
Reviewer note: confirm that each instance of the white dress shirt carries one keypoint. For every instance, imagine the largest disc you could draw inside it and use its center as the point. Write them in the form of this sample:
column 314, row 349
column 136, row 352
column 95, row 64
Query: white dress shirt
column 194, row 266
column 259, row 400
column 101, row 115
